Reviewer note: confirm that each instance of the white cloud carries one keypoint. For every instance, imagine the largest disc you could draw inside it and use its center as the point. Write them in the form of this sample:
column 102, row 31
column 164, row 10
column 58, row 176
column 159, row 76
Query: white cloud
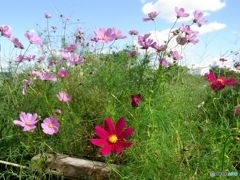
column 214, row 26
column 166, row 7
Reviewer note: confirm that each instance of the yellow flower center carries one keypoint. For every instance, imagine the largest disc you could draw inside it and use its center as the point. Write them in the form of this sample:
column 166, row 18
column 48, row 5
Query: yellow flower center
column 220, row 80
column 113, row 139
column 27, row 123
column 104, row 38
column 50, row 125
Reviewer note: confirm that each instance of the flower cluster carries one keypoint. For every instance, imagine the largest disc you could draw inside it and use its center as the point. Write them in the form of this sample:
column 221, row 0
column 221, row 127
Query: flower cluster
column 28, row 121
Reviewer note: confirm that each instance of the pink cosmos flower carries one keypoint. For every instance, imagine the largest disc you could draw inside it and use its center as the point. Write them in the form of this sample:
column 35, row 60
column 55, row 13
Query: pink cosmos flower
column 133, row 32
column 75, row 59
column 118, row 34
column 159, row 48
column 62, row 73
column 180, row 12
column 33, row 39
column 17, row 43
column 20, row 58
column 58, row 112
column 145, row 42
column 163, row 62
column 26, row 83
column 104, row 36
column 46, row 76
column 64, row 97
column 219, row 83
column 132, row 53
column 175, row 55
column 5, row 31
column 198, row 18
column 237, row 110
column 47, row 15
column 135, row 100
column 27, row 121
column 70, row 48
column 151, row 16
column 50, row 125
column 182, row 40
column 112, row 138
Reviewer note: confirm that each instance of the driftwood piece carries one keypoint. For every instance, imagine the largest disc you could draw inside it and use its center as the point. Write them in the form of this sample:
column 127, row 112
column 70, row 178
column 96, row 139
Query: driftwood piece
column 74, row 168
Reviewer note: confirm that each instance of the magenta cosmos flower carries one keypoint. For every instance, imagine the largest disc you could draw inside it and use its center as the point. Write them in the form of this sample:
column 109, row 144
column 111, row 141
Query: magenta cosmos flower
column 151, row 16
column 33, row 39
column 135, row 100
column 237, row 110
column 64, row 97
column 27, row 121
column 50, row 125
column 62, row 73
column 112, row 137
column 220, row 82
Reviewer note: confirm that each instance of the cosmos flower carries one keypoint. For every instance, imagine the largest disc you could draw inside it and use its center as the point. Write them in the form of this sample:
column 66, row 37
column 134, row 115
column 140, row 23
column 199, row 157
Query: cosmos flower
column 220, row 82
column 27, row 121
column 50, row 125
column 112, row 138
column 64, row 97
column 151, row 16
column 135, row 100
column 33, row 39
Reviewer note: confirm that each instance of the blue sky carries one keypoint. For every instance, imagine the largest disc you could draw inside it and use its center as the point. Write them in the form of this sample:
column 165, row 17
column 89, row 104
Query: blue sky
column 217, row 37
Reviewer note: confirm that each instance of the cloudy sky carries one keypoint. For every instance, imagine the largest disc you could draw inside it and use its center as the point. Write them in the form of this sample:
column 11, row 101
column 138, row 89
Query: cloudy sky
column 217, row 37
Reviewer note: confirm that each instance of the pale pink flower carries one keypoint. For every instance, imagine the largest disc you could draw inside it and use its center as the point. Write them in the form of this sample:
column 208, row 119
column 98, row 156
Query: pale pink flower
column 47, row 15
column 118, row 34
column 175, row 55
column 26, row 83
column 70, row 48
column 104, row 36
column 75, row 59
column 180, row 12
column 5, row 31
column 27, row 121
column 64, row 97
column 151, row 16
column 163, row 62
column 33, row 39
column 50, row 125
column 198, row 18
column 133, row 32
column 46, row 76
column 17, row 43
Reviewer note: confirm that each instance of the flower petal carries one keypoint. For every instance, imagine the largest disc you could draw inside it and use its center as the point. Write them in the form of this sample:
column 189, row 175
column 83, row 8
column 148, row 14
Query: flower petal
column 109, row 126
column 120, row 125
column 117, row 148
column 18, row 123
column 210, row 77
column 124, row 143
column 127, row 132
column 230, row 81
column 102, row 133
column 99, row 142
column 105, row 150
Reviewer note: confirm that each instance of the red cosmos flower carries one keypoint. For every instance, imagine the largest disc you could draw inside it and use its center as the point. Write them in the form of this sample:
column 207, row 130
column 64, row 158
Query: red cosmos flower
column 220, row 82
column 136, row 100
column 112, row 138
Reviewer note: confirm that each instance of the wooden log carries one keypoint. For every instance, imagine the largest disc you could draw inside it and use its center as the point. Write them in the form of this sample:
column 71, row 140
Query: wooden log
column 74, row 168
